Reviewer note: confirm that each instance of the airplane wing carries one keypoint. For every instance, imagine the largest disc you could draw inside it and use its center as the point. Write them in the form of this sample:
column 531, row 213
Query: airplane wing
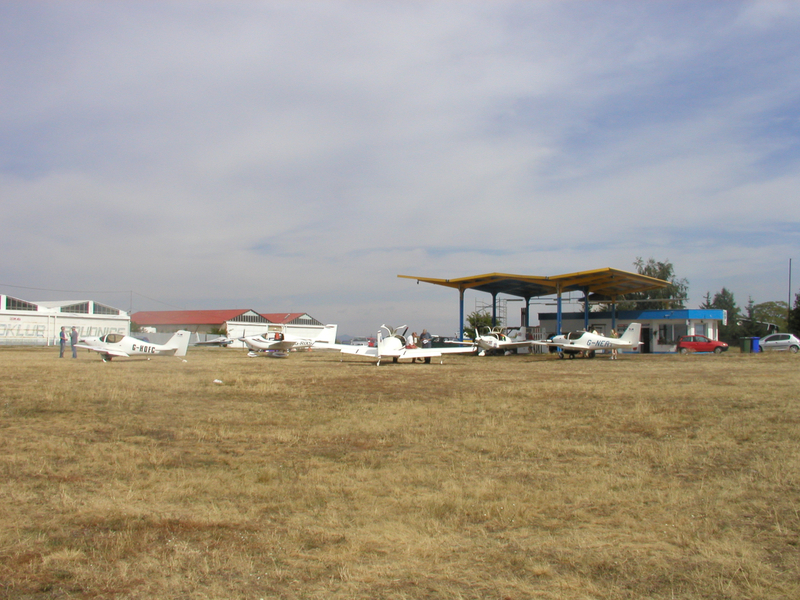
column 358, row 350
column 103, row 350
column 464, row 350
column 505, row 345
column 220, row 341
column 402, row 353
column 322, row 345
column 432, row 352
column 282, row 345
column 347, row 348
column 265, row 346
column 555, row 344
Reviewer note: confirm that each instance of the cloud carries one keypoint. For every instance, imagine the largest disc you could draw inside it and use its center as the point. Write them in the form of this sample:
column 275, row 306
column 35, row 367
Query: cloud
column 299, row 156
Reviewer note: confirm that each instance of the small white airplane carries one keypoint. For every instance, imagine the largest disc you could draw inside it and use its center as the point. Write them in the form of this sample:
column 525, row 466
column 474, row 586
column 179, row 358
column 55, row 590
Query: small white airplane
column 587, row 343
column 495, row 340
column 217, row 341
column 276, row 343
column 393, row 345
column 116, row 344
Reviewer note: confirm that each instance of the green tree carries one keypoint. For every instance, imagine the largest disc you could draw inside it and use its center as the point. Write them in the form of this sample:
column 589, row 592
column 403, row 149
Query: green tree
column 749, row 325
column 793, row 326
column 476, row 321
column 771, row 313
column 724, row 300
column 672, row 296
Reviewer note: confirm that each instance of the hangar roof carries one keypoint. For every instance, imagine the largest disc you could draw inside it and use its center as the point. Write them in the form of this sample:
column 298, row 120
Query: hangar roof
column 189, row 317
column 291, row 318
column 218, row 317
column 604, row 282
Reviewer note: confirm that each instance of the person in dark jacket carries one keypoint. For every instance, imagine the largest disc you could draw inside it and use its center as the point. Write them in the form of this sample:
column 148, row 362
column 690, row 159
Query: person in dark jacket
column 73, row 339
column 62, row 340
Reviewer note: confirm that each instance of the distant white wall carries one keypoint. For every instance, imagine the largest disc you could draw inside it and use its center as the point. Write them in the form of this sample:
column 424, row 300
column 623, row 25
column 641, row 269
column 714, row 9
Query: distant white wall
column 41, row 327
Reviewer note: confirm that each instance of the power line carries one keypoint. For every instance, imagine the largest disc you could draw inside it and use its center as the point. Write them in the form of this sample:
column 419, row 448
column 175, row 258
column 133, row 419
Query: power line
column 22, row 287
column 130, row 292
column 159, row 301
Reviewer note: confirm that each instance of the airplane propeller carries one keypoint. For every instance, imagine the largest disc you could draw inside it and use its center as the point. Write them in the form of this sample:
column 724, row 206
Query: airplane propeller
column 393, row 330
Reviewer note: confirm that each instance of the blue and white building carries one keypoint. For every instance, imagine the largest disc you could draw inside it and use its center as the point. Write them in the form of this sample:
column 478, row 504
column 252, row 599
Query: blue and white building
column 660, row 328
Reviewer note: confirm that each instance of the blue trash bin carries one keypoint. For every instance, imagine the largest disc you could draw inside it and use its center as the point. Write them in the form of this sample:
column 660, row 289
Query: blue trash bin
column 749, row 344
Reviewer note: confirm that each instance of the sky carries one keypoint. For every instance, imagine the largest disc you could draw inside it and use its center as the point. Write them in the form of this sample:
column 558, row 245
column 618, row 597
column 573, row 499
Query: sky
column 299, row 156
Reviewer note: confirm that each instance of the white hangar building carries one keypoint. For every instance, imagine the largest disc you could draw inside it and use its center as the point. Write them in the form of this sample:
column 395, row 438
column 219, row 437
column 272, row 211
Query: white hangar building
column 38, row 323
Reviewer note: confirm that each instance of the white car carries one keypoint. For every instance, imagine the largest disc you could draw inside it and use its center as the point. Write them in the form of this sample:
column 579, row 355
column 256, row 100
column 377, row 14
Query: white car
column 359, row 341
column 779, row 341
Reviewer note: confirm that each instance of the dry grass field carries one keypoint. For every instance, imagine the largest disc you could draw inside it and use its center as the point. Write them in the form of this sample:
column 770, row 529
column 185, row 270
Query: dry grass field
column 482, row 478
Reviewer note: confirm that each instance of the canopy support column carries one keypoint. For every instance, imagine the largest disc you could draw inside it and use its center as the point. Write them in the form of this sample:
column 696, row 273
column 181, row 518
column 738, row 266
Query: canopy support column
column 461, row 313
column 614, row 313
column 558, row 309
column 527, row 312
column 585, row 308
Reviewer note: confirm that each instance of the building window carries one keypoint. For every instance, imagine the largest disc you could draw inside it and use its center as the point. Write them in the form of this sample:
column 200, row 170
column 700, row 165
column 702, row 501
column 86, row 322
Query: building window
column 305, row 320
column 669, row 333
column 81, row 307
column 250, row 319
column 17, row 304
column 101, row 309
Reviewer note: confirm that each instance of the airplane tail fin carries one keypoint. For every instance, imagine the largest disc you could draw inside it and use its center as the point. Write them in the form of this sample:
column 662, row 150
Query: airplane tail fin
column 633, row 334
column 179, row 341
column 327, row 335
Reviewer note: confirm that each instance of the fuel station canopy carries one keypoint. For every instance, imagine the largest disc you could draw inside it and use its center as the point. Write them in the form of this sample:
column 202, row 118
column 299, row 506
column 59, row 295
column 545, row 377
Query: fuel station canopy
column 601, row 284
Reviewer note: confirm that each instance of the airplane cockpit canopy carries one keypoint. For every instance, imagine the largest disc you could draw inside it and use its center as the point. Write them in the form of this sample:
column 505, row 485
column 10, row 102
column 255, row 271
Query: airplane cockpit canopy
column 575, row 335
column 112, row 338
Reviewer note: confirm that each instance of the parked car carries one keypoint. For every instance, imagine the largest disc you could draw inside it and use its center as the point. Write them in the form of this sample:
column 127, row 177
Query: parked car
column 699, row 343
column 359, row 341
column 780, row 341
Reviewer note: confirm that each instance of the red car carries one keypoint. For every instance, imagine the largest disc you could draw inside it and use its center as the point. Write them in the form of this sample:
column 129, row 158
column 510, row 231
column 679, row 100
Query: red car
column 699, row 343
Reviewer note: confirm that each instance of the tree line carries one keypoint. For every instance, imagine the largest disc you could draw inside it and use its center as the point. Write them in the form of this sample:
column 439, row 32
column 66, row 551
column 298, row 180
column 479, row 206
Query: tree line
column 751, row 320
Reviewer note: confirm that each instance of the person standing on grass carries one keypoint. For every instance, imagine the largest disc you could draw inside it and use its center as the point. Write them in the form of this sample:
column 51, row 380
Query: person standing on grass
column 62, row 340
column 73, row 339
column 425, row 338
column 614, row 334
column 425, row 342
column 411, row 342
